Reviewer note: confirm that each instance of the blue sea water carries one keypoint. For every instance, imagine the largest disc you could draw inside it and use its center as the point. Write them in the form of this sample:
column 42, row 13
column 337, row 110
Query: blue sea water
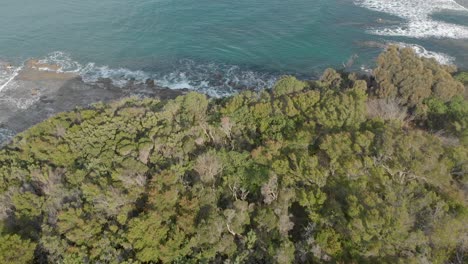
column 222, row 45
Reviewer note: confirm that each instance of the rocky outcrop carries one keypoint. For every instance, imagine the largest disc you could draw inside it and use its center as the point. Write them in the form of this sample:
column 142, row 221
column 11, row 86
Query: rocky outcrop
column 39, row 91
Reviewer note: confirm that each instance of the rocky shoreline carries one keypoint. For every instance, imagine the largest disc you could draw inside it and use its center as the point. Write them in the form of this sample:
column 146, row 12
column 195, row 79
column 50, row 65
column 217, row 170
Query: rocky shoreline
column 39, row 91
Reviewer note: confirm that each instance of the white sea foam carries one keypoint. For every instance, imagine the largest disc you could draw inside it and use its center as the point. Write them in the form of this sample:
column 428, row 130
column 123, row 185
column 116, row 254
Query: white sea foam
column 213, row 79
column 20, row 103
column 442, row 58
column 7, row 75
column 91, row 72
column 417, row 15
column 62, row 60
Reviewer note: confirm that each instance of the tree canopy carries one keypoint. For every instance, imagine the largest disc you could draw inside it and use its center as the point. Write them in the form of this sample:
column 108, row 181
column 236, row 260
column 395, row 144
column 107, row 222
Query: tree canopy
column 339, row 170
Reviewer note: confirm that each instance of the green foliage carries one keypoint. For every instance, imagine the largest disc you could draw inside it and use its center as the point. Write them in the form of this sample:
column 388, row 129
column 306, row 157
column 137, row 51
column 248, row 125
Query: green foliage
column 401, row 73
column 288, row 85
column 13, row 249
column 331, row 79
column 293, row 175
column 462, row 77
column 451, row 116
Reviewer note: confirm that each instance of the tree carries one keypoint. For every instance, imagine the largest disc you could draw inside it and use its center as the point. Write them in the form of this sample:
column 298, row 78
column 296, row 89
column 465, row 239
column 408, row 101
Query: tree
column 13, row 249
column 208, row 166
column 401, row 73
column 288, row 85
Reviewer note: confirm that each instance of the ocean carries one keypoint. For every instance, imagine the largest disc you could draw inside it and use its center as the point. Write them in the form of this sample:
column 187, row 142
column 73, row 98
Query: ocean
column 220, row 46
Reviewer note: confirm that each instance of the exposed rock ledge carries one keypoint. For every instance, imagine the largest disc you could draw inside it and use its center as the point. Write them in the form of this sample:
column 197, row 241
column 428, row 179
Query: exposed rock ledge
column 40, row 91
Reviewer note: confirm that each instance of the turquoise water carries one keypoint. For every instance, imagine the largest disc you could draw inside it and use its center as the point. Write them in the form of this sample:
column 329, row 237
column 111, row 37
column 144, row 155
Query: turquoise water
column 215, row 44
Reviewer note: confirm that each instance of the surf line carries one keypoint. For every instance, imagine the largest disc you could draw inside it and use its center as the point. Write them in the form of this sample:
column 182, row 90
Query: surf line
column 13, row 76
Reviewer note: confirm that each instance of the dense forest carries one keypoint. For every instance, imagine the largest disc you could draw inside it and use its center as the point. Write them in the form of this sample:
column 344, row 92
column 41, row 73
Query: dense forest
column 345, row 169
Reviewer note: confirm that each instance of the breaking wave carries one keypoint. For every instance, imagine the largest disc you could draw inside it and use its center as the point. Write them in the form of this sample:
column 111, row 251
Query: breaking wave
column 417, row 14
column 442, row 58
column 210, row 78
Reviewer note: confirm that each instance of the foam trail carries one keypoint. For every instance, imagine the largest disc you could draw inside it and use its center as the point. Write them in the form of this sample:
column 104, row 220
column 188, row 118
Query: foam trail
column 417, row 14
column 11, row 78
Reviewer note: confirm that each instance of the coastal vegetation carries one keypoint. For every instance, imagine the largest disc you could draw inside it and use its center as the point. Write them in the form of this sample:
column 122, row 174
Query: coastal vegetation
column 345, row 169
column 462, row 77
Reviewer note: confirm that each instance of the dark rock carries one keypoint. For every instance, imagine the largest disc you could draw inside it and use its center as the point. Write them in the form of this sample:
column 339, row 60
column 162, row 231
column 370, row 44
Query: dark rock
column 150, row 83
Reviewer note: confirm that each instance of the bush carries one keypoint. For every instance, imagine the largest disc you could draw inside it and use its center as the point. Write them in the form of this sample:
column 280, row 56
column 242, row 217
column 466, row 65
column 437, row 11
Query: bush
column 462, row 77
column 401, row 73
column 288, row 85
